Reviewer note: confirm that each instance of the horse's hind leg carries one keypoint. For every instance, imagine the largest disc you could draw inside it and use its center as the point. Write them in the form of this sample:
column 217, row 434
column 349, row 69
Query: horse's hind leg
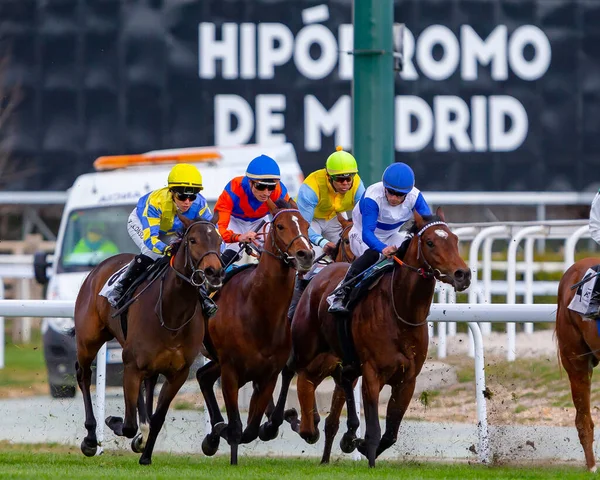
column 371, row 405
column 207, row 375
column 262, row 394
column 332, row 423
column 167, row 393
column 347, row 381
column 233, row 433
column 579, row 369
column 399, row 400
column 306, row 397
column 86, row 352
column 268, row 431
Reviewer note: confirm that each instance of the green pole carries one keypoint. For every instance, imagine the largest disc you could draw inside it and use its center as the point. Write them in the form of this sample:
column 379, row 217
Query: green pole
column 373, row 87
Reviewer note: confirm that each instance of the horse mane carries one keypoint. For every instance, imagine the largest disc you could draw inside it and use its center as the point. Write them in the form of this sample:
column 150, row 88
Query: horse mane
column 281, row 203
column 427, row 219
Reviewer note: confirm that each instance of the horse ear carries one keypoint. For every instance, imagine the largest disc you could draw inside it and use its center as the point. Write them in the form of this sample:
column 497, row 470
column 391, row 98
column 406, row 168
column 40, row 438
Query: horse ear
column 343, row 222
column 418, row 218
column 440, row 213
column 186, row 221
column 215, row 218
column 293, row 204
column 271, row 205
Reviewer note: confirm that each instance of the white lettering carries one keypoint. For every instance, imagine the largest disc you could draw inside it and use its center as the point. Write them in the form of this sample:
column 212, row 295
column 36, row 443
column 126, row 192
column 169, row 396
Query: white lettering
column 268, row 121
column 479, row 123
column 477, row 51
column 536, row 67
column 443, row 68
column 451, row 123
column 248, row 51
column 502, row 107
column 315, row 69
column 407, row 108
column 210, row 50
column 275, row 44
column 409, row 72
column 226, row 107
column 318, row 121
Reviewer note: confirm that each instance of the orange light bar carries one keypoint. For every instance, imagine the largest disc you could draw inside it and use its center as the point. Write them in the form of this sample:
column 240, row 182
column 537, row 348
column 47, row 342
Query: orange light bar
column 112, row 162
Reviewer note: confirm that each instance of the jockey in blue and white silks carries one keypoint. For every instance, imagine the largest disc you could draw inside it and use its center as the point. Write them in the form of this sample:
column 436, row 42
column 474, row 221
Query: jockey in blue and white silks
column 377, row 218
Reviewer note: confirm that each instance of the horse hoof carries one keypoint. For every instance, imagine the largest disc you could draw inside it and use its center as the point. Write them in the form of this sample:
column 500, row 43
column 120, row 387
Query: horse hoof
column 311, row 439
column 267, row 431
column 348, row 443
column 210, row 445
column 89, row 449
column 115, row 424
column 145, row 460
column 136, row 443
column 219, row 429
column 291, row 415
column 361, row 446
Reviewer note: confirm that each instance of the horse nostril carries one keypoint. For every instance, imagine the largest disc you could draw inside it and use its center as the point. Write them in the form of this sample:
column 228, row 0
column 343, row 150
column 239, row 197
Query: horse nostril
column 462, row 275
column 210, row 271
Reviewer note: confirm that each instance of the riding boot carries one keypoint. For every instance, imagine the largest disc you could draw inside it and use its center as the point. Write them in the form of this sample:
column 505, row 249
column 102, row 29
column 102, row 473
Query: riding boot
column 344, row 337
column 300, row 285
column 134, row 269
column 229, row 256
column 209, row 307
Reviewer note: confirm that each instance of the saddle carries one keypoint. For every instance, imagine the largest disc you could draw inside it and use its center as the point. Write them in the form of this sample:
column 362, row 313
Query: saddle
column 586, row 300
column 369, row 279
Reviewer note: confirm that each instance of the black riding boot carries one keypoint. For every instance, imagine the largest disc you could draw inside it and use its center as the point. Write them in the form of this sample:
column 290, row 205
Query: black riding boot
column 339, row 299
column 209, row 307
column 230, row 256
column 299, row 286
column 136, row 267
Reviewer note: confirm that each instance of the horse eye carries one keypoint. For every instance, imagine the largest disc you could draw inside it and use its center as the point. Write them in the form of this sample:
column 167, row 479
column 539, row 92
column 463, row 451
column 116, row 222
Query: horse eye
column 279, row 226
column 192, row 241
column 430, row 243
column 346, row 241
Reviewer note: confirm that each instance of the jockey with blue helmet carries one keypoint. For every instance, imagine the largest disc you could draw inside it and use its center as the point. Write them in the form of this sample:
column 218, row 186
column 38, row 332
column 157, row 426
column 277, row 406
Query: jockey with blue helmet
column 242, row 205
column 154, row 221
column 377, row 218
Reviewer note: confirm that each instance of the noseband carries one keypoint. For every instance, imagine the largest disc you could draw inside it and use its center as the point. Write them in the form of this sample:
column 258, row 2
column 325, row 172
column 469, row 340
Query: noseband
column 282, row 255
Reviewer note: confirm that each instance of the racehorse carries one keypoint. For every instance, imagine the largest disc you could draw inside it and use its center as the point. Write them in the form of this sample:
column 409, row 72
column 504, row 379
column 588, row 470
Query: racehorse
column 249, row 338
column 342, row 252
column 579, row 350
column 389, row 329
column 164, row 333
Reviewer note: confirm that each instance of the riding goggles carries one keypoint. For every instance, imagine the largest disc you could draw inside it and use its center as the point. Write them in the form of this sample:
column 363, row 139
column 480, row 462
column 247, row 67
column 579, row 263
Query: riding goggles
column 346, row 177
column 182, row 197
column 261, row 186
column 395, row 193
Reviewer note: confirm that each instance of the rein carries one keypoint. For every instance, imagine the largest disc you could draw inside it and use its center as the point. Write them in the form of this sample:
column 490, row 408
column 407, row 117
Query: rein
column 425, row 273
column 282, row 255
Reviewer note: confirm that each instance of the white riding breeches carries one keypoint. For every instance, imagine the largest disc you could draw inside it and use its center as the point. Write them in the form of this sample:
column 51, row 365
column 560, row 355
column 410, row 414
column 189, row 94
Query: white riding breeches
column 359, row 247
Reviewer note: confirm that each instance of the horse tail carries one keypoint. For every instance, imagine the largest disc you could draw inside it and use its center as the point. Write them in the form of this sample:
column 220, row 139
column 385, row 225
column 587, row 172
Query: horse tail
column 71, row 332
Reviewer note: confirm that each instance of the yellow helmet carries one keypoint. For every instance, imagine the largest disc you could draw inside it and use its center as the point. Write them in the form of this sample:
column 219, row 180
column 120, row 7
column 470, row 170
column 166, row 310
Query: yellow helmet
column 186, row 176
column 341, row 163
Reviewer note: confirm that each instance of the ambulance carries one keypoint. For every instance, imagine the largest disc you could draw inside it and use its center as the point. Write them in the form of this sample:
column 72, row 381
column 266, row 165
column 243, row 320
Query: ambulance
column 102, row 201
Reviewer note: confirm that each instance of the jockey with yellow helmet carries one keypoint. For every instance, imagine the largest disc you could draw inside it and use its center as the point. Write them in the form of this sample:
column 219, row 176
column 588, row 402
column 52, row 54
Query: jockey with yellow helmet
column 327, row 192
column 154, row 220
column 242, row 205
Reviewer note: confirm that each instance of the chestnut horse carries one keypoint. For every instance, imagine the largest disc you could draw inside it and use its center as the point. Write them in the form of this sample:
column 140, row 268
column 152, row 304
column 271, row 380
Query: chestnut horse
column 165, row 329
column 342, row 252
column 389, row 330
column 249, row 338
column 579, row 350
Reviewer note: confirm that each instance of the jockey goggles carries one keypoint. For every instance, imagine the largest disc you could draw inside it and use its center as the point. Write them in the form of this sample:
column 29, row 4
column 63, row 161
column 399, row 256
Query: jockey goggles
column 342, row 178
column 265, row 185
column 186, row 193
column 395, row 193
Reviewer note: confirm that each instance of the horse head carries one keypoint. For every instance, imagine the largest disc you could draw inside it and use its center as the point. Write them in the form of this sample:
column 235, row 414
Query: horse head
column 437, row 250
column 201, row 244
column 289, row 234
column 343, row 252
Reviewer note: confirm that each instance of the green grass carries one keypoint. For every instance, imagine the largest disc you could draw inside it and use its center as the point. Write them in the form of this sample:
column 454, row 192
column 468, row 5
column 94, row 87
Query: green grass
column 24, row 364
column 47, row 461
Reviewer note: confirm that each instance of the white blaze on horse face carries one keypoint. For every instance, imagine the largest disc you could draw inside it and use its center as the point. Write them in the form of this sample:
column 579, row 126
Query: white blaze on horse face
column 441, row 233
column 295, row 219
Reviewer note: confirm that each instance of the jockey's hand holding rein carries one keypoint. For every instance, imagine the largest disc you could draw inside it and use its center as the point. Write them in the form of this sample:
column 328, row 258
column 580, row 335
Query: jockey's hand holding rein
column 246, row 237
column 389, row 251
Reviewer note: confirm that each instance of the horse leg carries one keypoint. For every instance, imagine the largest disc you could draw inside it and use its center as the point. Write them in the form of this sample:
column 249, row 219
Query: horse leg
column 167, row 393
column 580, row 371
column 332, row 423
column 150, row 384
column 268, row 431
column 132, row 380
column 347, row 381
column 85, row 356
column 262, row 394
column 370, row 391
column 306, row 397
column 206, row 376
column 139, row 441
column 397, row 405
column 233, row 433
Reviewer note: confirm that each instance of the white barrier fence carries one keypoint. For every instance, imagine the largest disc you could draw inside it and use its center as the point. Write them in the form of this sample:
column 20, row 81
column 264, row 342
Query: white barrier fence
column 473, row 314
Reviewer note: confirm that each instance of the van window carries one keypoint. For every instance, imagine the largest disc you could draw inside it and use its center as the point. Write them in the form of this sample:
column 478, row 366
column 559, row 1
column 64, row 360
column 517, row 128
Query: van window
column 94, row 234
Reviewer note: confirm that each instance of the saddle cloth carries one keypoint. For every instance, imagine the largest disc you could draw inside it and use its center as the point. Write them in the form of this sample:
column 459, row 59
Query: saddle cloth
column 108, row 286
column 584, row 301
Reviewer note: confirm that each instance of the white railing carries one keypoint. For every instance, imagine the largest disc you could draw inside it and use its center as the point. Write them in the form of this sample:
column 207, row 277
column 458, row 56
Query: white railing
column 443, row 313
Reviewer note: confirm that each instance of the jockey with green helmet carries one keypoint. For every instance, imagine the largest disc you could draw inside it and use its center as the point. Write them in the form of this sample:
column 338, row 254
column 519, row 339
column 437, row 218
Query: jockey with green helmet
column 153, row 222
column 327, row 192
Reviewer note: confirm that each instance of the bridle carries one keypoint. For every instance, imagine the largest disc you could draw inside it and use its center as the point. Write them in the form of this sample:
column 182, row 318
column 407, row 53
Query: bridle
column 340, row 245
column 280, row 254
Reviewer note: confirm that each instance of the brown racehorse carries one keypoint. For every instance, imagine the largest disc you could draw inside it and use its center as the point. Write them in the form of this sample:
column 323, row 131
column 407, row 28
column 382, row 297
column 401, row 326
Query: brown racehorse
column 342, row 252
column 165, row 329
column 250, row 335
column 389, row 328
column 579, row 349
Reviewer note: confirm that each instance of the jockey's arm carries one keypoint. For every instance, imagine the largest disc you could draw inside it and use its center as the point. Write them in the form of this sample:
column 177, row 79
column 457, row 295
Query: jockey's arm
column 204, row 213
column 370, row 212
column 360, row 191
column 307, row 202
column 595, row 218
column 151, row 229
column 224, row 206
column 421, row 206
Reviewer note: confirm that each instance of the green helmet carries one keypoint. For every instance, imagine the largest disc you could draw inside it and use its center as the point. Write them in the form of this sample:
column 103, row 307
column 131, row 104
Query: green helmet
column 340, row 163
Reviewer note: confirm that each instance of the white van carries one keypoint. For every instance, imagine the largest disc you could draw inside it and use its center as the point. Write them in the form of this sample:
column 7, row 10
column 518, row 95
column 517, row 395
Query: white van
column 107, row 197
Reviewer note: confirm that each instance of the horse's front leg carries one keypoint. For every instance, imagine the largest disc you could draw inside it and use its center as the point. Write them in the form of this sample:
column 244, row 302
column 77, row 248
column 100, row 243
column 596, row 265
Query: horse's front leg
column 347, row 381
column 398, row 404
column 207, row 375
column 268, row 431
column 370, row 391
column 132, row 380
column 332, row 422
column 233, row 433
column 309, row 419
column 167, row 393
column 261, row 396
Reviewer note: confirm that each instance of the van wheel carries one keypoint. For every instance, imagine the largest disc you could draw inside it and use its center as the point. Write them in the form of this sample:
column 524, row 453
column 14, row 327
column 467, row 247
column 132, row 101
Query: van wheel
column 62, row 391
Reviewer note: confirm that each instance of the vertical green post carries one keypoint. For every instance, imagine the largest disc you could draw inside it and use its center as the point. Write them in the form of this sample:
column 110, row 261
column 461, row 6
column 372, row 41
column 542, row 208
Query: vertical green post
column 373, row 87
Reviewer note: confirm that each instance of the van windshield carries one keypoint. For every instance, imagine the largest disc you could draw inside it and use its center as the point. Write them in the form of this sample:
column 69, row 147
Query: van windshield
column 94, row 234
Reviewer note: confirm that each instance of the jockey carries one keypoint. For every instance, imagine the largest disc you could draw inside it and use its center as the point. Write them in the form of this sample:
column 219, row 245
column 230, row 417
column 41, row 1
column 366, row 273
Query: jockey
column 382, row 210
column 154, row 219
column 327, row 192
column 595, row 218
column 242, row 206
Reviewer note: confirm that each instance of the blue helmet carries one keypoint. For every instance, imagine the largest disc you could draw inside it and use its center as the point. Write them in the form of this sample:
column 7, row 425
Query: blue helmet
column 263, row 168
column 399, row 177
